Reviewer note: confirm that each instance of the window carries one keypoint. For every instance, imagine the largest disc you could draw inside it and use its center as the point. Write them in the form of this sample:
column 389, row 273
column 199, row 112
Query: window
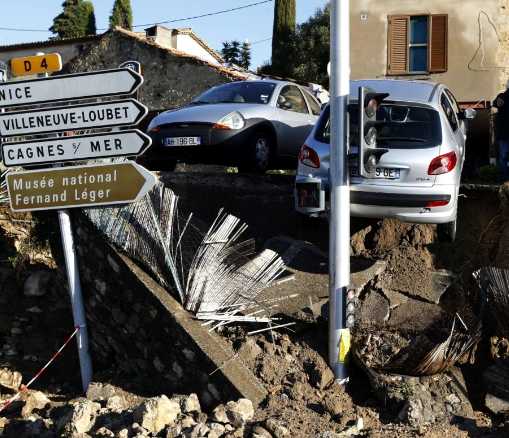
column 417, row 44
column 315, row 108
column 398, row 126
column 238, row 92
column 449, row 112
column 291, row 99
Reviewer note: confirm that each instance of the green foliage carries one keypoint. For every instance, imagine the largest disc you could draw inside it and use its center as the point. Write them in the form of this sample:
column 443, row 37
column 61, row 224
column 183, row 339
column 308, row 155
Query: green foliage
column 235, row 53
column 282, row 34
column 245, row 55
column 122, row 14
column 310, row 49
column 77, row 19
column 306, row 53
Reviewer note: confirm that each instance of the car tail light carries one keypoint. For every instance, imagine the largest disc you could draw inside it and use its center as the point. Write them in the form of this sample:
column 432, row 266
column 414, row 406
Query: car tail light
column 432, row 204
column 443, row 164
column 155, row 129
column 309, row 157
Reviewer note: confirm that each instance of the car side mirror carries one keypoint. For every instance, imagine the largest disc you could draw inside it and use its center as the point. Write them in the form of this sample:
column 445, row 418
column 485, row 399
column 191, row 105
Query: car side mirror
column 468, row 114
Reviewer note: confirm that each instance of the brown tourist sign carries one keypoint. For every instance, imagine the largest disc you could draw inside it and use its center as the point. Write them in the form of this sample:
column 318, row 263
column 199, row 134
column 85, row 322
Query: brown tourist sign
column 78, row 186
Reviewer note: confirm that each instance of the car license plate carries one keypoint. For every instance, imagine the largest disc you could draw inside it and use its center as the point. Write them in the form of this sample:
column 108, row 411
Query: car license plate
column 379, row 173
column 182, row 141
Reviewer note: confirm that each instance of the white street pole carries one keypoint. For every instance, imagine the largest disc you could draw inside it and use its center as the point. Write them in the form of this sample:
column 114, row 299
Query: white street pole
column 78, row 309
column 339, row 237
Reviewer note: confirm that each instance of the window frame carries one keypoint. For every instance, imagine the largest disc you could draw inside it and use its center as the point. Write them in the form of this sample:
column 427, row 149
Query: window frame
column 409, row 45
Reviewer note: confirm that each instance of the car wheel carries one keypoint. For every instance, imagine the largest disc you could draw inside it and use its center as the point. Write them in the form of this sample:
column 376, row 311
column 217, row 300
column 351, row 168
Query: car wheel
column 447, row 232
column 259, row 156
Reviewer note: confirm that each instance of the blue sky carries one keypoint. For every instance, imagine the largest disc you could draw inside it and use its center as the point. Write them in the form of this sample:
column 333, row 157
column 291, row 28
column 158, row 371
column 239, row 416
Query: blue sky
column 253, row 24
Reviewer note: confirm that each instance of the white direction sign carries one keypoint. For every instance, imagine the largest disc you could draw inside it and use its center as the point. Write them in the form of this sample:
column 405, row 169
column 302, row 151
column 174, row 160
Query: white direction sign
column 84, row 147
column 71, row 118
column 70, row 87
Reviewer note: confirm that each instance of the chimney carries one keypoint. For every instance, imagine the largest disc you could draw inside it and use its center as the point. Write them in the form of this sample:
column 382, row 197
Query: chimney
column 160, row 35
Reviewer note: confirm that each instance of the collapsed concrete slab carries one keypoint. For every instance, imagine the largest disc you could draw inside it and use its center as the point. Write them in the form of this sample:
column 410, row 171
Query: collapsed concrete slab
column 138, row 329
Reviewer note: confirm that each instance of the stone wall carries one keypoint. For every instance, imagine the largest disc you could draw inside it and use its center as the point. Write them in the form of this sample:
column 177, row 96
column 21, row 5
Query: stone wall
column 138, row 330
column 171, row 78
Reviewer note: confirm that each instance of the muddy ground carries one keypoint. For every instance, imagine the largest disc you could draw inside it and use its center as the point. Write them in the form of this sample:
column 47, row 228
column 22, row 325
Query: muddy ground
column 291, row 363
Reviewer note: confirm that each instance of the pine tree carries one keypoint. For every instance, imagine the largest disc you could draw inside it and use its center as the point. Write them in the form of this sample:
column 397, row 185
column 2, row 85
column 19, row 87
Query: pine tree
column 284, row 28
column 77, row 19
column 245, row 55
column 231, row 52
column 122, row 14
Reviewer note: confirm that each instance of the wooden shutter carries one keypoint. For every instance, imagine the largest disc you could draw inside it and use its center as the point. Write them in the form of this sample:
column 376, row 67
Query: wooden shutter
column 437, row 50
column 397, row 57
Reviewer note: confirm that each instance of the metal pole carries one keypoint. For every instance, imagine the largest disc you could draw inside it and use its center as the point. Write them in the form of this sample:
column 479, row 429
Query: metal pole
column 78, row 310
column 339, row 226
column 73, row 279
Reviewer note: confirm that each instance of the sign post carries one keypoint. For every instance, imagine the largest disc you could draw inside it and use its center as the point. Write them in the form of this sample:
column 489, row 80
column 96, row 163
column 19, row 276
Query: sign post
column 61, row 188
column 339, row 237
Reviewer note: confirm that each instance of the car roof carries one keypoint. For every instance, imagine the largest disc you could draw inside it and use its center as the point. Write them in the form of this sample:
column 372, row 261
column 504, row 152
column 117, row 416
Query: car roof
column 270, row 81
column 424, row 92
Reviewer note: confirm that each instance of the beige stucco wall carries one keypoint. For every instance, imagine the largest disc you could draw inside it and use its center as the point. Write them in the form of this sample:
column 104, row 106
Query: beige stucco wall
column 369, row 42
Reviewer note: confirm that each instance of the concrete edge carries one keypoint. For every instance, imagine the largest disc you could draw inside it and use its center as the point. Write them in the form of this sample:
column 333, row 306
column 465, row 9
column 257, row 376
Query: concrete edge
column 220, row 354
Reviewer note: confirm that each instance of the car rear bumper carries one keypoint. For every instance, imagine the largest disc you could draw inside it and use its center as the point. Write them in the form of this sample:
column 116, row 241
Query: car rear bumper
column 409, row 204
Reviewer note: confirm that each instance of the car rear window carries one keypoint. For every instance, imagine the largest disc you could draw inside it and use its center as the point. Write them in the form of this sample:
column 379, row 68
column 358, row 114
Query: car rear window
column 238, row 92
column 398, row 126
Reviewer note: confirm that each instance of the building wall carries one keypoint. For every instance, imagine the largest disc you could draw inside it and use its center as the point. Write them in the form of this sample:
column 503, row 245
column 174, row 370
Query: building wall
column 186, row 43
column 369, row 42
column 171, row 80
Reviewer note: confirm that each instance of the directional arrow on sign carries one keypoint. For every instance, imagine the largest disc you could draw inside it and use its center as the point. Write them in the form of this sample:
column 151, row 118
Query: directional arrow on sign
column 70, row 87
column 84, row 147
column 78, row 186
column 69, row 118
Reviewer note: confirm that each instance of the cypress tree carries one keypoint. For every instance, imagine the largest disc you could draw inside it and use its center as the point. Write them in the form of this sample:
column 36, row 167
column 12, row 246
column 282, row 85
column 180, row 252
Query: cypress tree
column 86, row 17
column 77, row 19
column 284, row 27
column 122, row 14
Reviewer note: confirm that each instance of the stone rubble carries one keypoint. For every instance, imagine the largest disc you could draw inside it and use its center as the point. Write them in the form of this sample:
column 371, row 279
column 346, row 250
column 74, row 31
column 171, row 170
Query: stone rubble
column 110, row 412
column 10, row 379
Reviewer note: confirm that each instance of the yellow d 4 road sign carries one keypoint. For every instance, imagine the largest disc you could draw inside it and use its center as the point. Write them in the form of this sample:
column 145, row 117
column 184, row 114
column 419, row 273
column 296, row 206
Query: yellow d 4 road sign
column 32, row 65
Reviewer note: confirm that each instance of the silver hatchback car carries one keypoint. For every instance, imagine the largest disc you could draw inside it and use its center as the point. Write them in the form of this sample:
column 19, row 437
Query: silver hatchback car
column 417, row 180
column 251, row 124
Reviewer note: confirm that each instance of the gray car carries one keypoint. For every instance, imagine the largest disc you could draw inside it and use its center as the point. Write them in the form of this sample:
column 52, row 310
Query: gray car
column 251, row 124
column 417, row 179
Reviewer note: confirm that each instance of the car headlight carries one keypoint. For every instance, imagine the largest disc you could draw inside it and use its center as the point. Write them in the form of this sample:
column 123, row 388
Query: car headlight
column 233, row 120
column 152, row 127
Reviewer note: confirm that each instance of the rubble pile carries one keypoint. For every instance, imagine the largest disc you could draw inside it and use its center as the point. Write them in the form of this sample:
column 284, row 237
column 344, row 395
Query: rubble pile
column 108, row 411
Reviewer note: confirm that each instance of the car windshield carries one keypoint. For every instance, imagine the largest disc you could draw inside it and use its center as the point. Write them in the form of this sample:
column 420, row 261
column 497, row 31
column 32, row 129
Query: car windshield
column 238, row 92
column 398, row 126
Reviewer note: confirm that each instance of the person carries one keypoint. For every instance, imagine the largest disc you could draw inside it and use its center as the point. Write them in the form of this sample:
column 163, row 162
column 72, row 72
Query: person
column 501, row 103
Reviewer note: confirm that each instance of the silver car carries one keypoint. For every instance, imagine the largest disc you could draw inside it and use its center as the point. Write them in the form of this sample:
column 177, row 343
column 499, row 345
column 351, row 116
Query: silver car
column 250, row 124
column 417, row 179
